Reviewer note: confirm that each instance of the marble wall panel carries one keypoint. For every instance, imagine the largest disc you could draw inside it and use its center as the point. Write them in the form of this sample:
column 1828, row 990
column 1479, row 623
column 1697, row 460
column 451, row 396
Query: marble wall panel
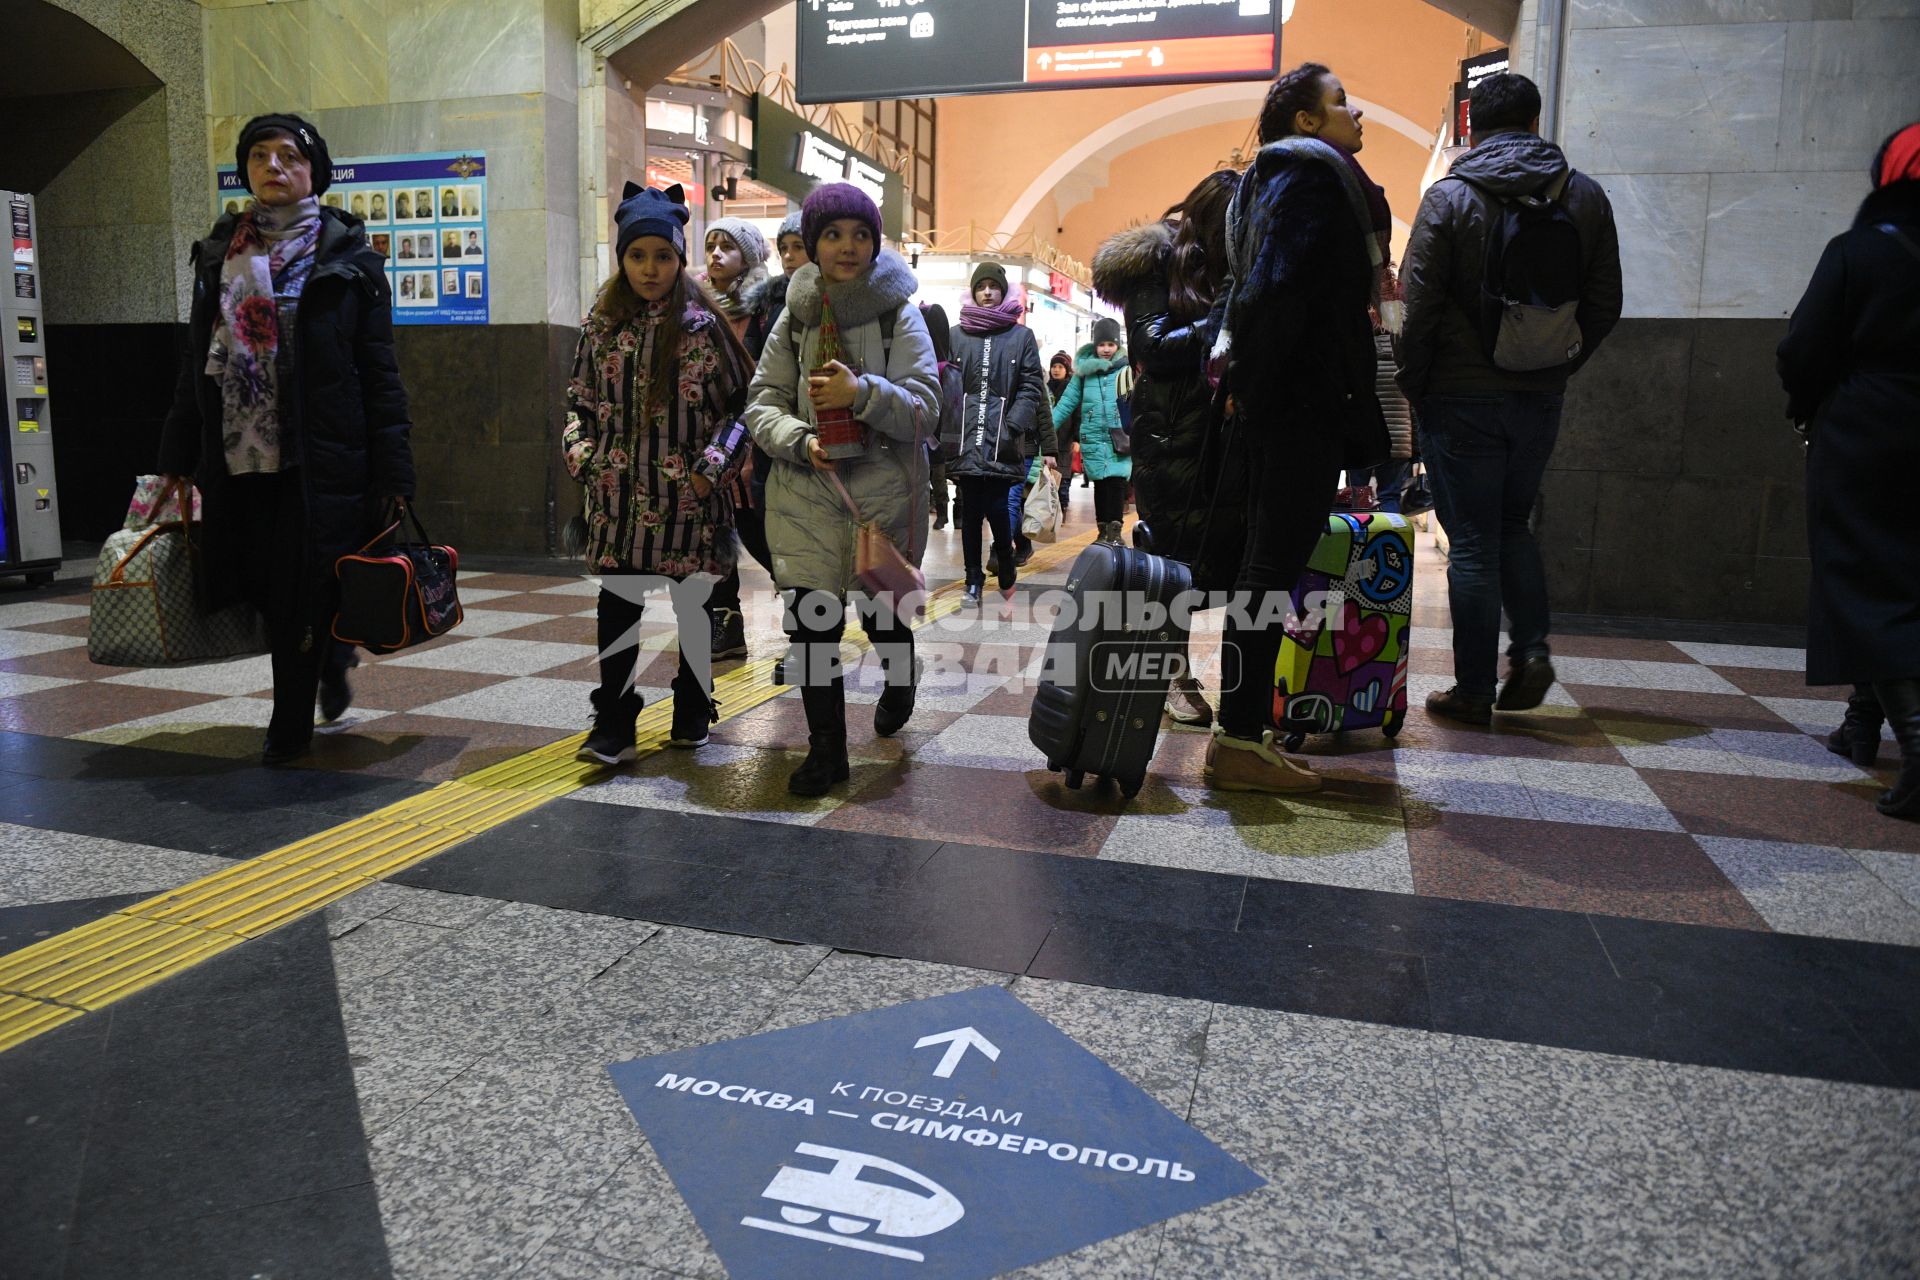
column 120, row 178
column 349, row 50
column 561, row 155
column 1765, row 232
column 1662, row 220
column 1885, row 9
column 1848, row 85
column 518, row 274
column 1626, row 408
column 563, row 49
column 120, row 274
column 259, row 59
column 1675, row 99
column 441, row 49
column 565, row 305
column 1684, row 13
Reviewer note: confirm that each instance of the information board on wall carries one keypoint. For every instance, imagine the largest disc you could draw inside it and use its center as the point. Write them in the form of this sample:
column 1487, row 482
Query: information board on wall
column 860, row 50
column 426, row 214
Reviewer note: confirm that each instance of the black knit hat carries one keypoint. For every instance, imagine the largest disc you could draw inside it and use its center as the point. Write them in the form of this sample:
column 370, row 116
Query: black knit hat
column 649, row 211
column 305, row 137
column 828, row 205
column 989, row 271
column 1106, row 329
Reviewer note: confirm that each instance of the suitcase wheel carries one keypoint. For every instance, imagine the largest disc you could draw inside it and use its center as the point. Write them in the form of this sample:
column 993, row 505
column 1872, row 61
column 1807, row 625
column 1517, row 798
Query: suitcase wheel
column 1392, row 725
column 1130, row 787
column 1295, row 740
column 1074, row 778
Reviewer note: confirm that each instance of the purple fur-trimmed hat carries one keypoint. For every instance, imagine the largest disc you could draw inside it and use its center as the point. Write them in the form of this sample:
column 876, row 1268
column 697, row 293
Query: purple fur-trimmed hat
column 831, row 203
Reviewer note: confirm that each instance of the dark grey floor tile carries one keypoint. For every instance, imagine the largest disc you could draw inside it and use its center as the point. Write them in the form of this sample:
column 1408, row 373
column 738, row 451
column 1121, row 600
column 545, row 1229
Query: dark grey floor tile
column 49, row 1088
column 328, row 1235
column 24, row 926
column 1084, row 886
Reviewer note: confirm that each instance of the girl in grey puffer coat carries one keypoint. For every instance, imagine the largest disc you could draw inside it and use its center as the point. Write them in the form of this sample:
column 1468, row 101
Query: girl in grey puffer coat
column 894, row 392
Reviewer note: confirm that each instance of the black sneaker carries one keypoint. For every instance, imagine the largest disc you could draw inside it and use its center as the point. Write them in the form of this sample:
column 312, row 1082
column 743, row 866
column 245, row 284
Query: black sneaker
column 691, row 716
column 1526, row 686
column 729, row 634
column 611, row 740
column 1464, row 707
column 973, row 595
column 1023, row 555
column 824, row 767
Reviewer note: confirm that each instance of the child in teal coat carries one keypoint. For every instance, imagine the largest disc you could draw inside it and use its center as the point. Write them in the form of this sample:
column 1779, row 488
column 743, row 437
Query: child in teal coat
column 1095, row 394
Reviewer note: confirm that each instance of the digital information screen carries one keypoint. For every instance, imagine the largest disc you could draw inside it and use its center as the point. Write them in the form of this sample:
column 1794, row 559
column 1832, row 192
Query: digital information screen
column 860, row 50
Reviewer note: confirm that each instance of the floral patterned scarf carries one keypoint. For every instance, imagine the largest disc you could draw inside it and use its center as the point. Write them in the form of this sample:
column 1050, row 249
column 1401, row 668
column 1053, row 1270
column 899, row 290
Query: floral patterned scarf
column 271, row 253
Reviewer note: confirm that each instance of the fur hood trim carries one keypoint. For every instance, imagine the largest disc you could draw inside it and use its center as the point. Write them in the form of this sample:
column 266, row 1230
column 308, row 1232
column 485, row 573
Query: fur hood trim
column 1090, row 365
column 883, row 287
column 1131, row 258
column 768, row 291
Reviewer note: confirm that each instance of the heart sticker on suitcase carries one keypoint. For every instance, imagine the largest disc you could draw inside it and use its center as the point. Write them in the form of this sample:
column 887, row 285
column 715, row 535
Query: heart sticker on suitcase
column 1359, row 641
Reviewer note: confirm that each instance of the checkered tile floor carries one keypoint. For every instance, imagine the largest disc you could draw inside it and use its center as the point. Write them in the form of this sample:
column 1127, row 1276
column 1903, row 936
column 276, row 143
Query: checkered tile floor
column 1665, row 780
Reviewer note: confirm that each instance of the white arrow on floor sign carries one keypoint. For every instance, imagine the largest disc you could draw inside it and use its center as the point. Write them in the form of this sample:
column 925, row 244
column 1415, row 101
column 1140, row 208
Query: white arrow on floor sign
column 958, row 1042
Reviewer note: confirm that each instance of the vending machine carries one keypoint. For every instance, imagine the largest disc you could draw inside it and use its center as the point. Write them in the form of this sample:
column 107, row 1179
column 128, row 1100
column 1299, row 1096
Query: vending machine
column 29, row 498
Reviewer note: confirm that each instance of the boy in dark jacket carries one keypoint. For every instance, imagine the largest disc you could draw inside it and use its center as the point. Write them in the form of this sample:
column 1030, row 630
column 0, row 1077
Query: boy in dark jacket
column 1487, row 431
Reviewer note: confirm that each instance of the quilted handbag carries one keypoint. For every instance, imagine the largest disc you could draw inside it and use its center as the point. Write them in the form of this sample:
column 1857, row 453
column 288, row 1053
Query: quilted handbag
column 395, row 593
column 143, row 612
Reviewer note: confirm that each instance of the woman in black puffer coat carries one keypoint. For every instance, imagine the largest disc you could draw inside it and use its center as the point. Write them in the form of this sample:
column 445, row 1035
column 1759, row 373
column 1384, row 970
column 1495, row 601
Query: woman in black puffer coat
column 289, row 414
column 1851, row 374
column 1167, row 276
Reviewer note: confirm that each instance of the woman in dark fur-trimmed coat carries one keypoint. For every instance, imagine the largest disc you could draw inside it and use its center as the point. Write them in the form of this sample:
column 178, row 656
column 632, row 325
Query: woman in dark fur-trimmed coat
column 1167, row 276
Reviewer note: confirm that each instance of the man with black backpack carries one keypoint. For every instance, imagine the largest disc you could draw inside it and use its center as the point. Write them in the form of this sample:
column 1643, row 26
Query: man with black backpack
column 1512, row 280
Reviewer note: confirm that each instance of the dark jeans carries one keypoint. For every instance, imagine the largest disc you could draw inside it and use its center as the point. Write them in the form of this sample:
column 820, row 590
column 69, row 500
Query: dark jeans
column 937, row 485
column 985, row 498
column 1016, row 512
column 1290, row 479
column 1486, row 455
column 619, row 616
column 1110, row 499
column 299, row 610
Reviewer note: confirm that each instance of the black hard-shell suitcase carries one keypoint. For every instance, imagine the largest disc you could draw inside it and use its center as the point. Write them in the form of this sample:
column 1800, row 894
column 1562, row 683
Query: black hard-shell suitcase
column 1102, row 690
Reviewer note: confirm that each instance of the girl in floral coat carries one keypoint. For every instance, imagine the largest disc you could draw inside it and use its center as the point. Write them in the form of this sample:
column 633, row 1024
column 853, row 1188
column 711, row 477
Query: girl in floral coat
column 653, row 434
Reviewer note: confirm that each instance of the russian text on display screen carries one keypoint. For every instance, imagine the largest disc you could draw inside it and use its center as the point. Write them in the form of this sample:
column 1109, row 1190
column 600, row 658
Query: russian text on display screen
column 948, row 1139
column 861, row 50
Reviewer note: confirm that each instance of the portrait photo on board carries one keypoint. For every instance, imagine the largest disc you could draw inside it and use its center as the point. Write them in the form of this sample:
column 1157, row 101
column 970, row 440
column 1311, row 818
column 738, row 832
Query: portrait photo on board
column 383, row 243
column 474, row 285
column 470, row 200
column 450, row 282
column 449, row 245
column 357, row 205
column 377, row 209
column 473, row 246
column 426, row 287
column 423, row 204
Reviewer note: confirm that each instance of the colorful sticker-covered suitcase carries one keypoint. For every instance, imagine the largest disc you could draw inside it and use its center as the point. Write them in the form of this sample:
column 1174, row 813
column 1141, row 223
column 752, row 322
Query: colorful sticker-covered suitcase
column 1343, row 663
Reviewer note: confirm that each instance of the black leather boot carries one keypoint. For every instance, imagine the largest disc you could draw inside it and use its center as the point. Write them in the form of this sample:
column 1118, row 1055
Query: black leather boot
column 1858, row 737
column 1900, row 700
column 826, row 762
column 895, row 708
column 611, row 741
column 693, row 711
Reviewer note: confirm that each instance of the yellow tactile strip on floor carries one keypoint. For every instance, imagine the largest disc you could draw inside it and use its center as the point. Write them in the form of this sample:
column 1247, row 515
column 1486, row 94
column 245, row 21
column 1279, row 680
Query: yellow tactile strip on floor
column 88, row 968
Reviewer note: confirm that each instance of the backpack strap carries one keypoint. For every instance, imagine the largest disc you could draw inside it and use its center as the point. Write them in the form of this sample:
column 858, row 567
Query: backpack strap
column 887, row 320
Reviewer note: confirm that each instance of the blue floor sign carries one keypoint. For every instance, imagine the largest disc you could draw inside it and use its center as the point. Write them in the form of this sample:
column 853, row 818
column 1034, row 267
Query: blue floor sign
column 948, row 1139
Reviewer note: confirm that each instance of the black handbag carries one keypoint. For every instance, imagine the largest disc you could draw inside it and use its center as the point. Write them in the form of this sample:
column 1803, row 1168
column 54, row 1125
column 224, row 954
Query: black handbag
column 396, row 593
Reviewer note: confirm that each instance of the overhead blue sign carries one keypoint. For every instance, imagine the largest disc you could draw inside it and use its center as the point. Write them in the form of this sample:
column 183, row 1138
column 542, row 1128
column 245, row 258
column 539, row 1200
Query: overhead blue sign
column 947, row 1139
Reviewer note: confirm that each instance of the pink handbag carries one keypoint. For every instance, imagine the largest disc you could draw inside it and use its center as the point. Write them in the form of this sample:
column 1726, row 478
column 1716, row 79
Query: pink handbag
column 880, row 566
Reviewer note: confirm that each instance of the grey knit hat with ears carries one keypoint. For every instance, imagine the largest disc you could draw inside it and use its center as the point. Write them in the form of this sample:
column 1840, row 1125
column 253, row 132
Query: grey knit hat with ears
column 746, row 237
column 789, row 226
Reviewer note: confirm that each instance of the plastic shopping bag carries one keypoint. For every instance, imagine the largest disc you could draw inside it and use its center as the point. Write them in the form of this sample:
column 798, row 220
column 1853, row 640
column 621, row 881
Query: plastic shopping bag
column 156, row 502
column 1040, row 518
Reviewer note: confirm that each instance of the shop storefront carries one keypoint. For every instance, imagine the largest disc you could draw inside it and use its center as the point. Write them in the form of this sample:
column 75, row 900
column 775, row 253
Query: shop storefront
column 793, row 155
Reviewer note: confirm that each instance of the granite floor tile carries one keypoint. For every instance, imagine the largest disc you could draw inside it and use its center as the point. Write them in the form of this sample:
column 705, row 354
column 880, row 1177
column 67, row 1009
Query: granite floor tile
column 536, row 701
column 636, row 1010
column 982, row 742
column 1767, row 682
column 447, row 1222
column 1563, row 1163
column 1553, row 737
column 226, row 679
column 434, row 748
column 724, row 780
column 781, row 724
column 24, row 644
column 1598, row 795
column 61, row 664
column 569, row 947
column 13, row 684
column 77, row 708
column 564, row 575
column 722, row 953
column 1679, row 677
column 1654, row 875
column 1026, row 810
column 845, row 983
column 29, row 613
column 382, row 686
column 1751, row 752
column 1823, row 1176
column 1744, row 655
column 557, row 1262
column 1343, row 1121
column 1616, row 648
column 555, row 1122
column 1448, row 783
column 1304, row 838
column 1157, row 1042
column 552, row 630
column 1809, row 889
column 483, row 621
column 1132, row 1254
column 528, row 607
column 1686, row 714
column 1820, row 716
column 939, row 690
column 378, row 947
column 637, row 1216
column 586, row 588
column 53, row 866
column 1899, row 871
column 496, row 657
column 1833, row 814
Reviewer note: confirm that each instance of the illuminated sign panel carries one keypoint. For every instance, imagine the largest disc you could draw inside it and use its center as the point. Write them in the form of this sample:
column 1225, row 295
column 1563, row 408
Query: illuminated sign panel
column 860, row 50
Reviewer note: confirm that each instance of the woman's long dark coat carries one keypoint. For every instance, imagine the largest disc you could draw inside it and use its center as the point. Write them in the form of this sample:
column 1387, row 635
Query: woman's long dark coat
column 348, row 433
column 1851, row 366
